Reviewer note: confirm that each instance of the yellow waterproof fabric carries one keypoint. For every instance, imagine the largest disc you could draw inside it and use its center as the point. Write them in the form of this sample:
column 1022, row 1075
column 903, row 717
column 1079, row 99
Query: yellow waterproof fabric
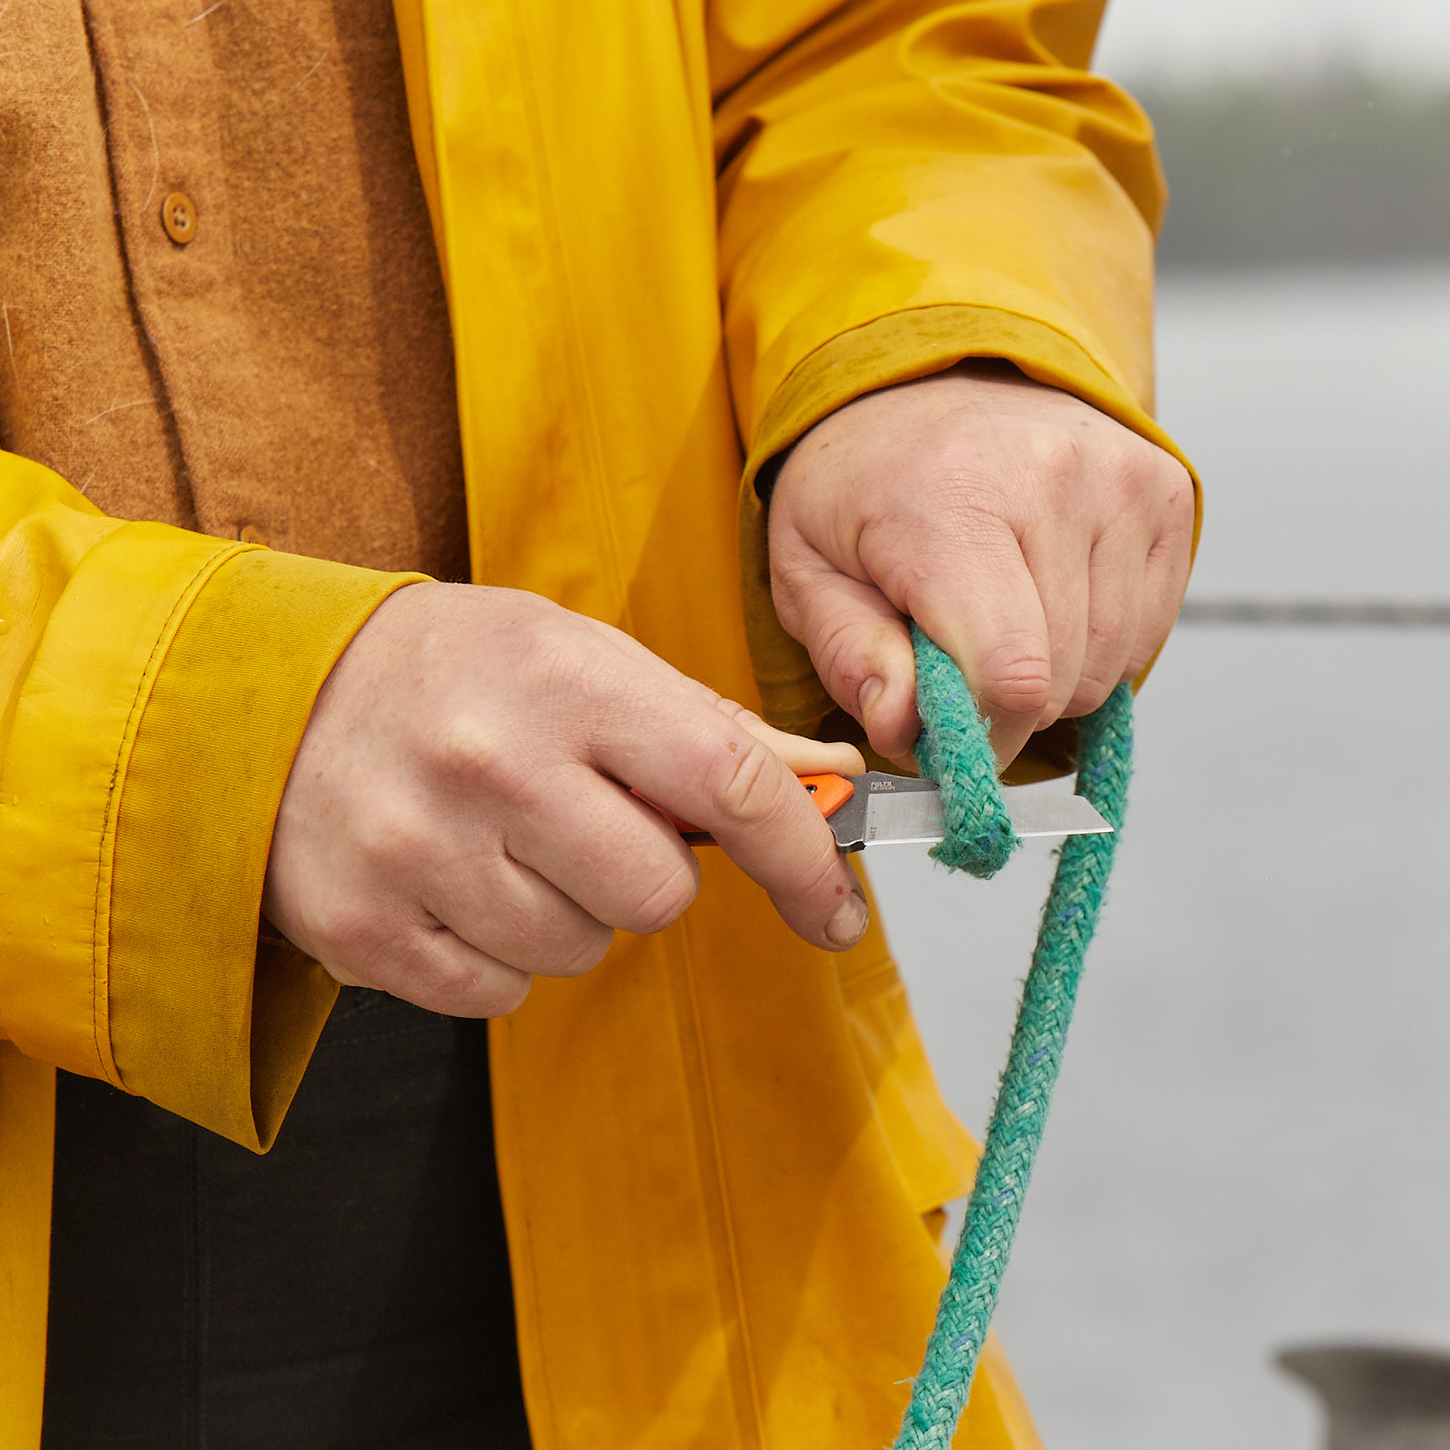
column 900, row 185
column 153, row 686
column 716, row 1150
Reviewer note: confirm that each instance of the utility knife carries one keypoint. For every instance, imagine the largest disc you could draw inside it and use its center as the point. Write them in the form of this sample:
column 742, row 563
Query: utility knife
column 877, row 809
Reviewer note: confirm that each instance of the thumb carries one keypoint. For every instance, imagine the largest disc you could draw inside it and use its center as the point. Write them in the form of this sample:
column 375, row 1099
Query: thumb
column 861, row 648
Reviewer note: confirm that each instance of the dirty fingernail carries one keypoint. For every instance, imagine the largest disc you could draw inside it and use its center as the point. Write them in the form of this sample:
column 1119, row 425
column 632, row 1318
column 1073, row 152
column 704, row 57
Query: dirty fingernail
column 845, row 928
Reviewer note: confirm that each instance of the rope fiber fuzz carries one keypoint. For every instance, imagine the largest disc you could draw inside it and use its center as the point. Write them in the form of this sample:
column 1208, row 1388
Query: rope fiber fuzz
column 954, row 750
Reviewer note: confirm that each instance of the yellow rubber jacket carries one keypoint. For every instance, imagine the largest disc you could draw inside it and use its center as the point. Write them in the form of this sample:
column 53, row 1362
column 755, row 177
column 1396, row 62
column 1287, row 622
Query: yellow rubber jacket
column 675, row 235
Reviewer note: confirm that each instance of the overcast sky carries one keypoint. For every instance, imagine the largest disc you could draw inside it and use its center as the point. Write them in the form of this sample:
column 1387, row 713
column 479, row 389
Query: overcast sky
column 1199, row 39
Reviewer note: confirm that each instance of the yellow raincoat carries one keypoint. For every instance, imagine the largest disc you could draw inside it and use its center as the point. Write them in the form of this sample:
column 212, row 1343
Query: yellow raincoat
column 665, row 228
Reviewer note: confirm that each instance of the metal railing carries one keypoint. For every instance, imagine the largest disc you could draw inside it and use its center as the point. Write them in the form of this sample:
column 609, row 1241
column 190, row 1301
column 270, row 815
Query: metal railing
column 1320, row 613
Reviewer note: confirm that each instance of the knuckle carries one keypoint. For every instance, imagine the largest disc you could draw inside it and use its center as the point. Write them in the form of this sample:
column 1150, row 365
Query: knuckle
column 794, row 568
column 505, row 993
column 468, row 754
column 665, row 901
column 801, row 592
column 976, row 529
column 853, row 654
column 1053, row 453
column 1166, row 575
column 553, row 939
column 1091, row 692
column 1136, row 464
column 578, row 951
column 363, row 942
column 737, row 713
column 839, row 659
column 451, row 985
column 492, row 990
column 744, row 785
column 1145, row 646
column 1151, row 485
column 824, row 875
column 1179, row 500
column 387, row 838
column 1172, row 477
column 1109, row 629
column 347, row 937
column 445, row 982
column 1017, row 678
column 346, row 921
column 817, row 881
column 1162, row 600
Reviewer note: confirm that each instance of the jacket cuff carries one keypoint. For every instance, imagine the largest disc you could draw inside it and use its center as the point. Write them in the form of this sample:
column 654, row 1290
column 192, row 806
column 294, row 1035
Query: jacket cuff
column 900, row 348
column 204, row 1018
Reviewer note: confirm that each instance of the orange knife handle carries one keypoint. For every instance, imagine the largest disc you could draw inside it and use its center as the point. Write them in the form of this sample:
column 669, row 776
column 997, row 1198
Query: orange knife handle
column 829, row 792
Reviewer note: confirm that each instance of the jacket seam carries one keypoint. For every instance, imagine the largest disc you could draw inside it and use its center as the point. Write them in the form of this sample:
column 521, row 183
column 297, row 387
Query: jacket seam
column 717, row 1154
column 869, row 981
column 556, row 230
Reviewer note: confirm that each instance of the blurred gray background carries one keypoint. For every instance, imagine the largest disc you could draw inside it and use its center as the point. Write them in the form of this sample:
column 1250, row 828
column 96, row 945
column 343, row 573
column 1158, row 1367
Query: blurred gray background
column 1249, row 1146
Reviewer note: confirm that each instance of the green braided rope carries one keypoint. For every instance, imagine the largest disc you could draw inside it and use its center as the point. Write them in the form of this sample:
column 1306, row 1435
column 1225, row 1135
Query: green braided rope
column 956, row 743
column 953, row 751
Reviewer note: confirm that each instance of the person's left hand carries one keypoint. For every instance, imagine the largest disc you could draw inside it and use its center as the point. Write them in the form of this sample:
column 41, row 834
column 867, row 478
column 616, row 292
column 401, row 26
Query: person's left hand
column 1040, row 543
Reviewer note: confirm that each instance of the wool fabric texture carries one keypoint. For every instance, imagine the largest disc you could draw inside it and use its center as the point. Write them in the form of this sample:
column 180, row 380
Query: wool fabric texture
column 955, row 742
column 290, row 370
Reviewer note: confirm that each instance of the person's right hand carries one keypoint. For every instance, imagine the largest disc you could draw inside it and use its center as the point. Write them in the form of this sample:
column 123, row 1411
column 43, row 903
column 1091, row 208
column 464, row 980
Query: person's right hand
column 458, row 816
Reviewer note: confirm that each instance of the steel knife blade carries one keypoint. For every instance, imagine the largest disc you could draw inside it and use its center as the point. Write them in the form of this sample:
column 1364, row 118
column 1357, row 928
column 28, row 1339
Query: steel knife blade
column 900, row 810
column 879, row 809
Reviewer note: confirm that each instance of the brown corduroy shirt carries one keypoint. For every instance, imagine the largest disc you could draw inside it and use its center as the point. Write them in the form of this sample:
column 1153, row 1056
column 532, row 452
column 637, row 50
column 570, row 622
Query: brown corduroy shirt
column 289, row 369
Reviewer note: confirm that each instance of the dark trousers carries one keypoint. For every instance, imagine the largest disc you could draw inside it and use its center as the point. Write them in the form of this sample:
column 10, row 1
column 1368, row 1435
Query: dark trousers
column 347, row 1291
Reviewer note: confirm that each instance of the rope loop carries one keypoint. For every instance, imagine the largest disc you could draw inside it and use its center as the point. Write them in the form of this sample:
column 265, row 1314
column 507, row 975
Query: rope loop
column 954, row 752
column 1069, row 918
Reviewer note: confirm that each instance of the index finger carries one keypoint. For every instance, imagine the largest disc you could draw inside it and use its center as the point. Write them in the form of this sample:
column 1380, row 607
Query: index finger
column 989, row 618
column 701, row 762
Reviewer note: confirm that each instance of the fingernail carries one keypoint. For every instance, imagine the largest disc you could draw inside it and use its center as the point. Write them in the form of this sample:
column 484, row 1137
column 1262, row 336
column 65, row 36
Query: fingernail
column 867, row 696
column 846, row 927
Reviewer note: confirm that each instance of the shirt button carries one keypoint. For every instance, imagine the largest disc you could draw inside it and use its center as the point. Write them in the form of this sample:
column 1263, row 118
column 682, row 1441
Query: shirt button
column 252, row 535
column 178, row 216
